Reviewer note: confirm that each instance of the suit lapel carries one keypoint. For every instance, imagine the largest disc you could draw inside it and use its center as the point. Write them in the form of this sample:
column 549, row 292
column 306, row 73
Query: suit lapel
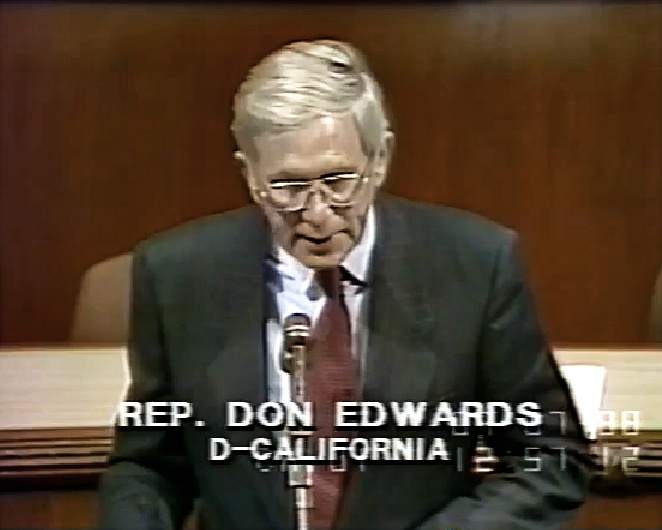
column 239, row 371
column 399, row 366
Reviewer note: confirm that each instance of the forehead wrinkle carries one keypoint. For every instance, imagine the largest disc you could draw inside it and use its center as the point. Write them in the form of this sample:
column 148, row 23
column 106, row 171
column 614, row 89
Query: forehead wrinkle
column 336, row 129
column 329, row 144
column 329, row 130
column 322, row 163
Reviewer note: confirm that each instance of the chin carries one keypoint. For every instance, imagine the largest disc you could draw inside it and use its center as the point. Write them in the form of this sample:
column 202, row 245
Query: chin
column 324, row 261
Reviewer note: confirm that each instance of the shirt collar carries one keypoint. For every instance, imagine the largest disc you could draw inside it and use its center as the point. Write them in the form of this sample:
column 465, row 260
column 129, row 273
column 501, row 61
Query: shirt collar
column 356, row 262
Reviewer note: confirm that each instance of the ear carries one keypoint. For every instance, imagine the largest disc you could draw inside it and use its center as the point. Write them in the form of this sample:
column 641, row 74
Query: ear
column 242, row 162
column 244, row 166
column 383, row 158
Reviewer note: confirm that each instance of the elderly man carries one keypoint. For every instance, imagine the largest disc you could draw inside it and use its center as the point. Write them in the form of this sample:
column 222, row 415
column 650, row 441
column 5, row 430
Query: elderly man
column 407, row 302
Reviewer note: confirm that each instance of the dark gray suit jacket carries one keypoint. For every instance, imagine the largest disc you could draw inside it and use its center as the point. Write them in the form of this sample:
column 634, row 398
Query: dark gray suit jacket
column 451, row 319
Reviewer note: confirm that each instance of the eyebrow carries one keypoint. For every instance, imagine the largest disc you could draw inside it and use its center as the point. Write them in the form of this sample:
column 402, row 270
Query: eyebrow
column 294, row 174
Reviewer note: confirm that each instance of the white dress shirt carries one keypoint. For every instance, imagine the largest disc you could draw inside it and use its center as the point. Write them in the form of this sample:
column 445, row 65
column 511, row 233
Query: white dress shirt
column 296, row 291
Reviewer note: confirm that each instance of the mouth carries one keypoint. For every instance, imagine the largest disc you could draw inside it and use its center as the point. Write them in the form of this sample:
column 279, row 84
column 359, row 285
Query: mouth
column 317, row 240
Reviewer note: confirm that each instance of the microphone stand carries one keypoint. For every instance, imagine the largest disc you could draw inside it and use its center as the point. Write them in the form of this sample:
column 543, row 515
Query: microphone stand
column 299, row 476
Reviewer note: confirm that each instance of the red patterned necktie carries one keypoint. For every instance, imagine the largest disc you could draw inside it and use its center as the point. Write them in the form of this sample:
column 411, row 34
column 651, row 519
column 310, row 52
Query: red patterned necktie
column 333, row 377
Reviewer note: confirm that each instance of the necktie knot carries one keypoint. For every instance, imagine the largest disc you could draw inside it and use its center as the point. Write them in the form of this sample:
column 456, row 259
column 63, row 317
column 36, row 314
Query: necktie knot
column 329, row 281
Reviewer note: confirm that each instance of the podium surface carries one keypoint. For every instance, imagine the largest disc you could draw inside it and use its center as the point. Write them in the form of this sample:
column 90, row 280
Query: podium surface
column 57, row 405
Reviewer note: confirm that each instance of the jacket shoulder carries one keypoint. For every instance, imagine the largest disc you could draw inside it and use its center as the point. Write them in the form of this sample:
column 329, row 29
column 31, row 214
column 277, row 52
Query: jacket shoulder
column 436, row 226
column 225, row 233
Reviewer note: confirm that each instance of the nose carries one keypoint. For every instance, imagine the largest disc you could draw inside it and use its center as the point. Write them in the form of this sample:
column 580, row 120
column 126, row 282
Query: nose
column 317, row 211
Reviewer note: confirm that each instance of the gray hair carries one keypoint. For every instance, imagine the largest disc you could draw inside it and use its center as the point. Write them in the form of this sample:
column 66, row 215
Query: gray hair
column 304, row 81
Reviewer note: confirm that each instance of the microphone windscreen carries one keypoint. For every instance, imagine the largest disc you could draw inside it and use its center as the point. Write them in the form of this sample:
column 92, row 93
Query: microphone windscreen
column 296, row 320
column 296, row 329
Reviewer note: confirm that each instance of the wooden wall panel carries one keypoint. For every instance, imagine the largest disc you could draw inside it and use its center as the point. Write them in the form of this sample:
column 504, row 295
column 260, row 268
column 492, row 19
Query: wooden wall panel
column 544, row 117
column 43, row 509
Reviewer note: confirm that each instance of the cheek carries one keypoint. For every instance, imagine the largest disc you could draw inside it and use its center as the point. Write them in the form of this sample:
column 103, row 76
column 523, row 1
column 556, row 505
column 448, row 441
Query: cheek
column 344, row 242
column 290, row 219
column 282, row 227
column 355, row 219
column 280, row 221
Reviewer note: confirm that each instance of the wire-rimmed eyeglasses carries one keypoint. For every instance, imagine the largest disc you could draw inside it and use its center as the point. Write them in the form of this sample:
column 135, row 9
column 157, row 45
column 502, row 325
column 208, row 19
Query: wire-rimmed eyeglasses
column 338, row 190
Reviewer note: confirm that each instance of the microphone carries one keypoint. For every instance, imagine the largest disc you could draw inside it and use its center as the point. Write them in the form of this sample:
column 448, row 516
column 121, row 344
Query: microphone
column 296, row 332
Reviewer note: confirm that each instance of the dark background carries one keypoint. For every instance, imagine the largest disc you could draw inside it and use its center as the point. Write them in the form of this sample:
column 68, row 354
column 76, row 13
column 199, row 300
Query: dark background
column 545, row 117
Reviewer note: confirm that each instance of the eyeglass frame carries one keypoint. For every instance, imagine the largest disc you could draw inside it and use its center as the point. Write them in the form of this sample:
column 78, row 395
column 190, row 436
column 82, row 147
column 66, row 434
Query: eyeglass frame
column 362, row 180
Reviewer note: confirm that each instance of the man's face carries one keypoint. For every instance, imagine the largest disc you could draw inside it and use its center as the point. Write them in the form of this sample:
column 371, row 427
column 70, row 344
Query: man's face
column 319, row 236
